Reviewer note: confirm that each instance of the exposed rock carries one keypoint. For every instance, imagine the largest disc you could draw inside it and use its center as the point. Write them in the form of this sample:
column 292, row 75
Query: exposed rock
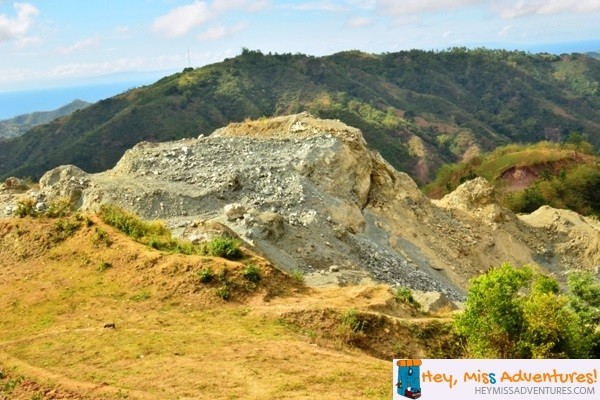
column 580, row 236
column 14, row 184
column 477, row 198
column 234, row 211
column 308, row 192
column 204, row 231
column 271, row 225
column 66, row 182
column 434, row 301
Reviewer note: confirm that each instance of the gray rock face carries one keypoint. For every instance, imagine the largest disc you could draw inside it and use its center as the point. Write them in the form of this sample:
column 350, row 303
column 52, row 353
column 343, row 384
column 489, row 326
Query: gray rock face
column 310, row 195
column 65, row 182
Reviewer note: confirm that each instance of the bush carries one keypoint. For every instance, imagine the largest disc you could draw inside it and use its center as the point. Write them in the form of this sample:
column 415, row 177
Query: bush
column 252, row 273
column 584, row 299
column 58, row 209
column 104, row 266
column 153, row 234
column 129, row 223
column 516, row 313
column 352, row 319
column 26, row 208
column 528, row 200
column 100, row 236
column 351, row 328
column 223, row 292
column 297, row 275
column 224, row 247
column 404, row 295
column 66, row 228
column 206, row 275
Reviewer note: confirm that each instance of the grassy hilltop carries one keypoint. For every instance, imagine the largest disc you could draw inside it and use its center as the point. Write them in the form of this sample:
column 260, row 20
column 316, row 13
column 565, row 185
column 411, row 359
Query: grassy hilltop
column 527, row 177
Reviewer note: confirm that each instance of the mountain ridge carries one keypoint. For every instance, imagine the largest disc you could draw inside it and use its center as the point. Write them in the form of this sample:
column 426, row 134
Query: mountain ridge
column 420, row 109
column 19, row 125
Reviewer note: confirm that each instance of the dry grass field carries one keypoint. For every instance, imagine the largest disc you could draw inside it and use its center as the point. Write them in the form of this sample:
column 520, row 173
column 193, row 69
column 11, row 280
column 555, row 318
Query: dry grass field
column 175, row 337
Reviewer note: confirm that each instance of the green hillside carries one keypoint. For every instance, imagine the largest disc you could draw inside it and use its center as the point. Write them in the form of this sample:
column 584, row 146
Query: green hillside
column 19, row 125
column 563, row 175
column 419, row 109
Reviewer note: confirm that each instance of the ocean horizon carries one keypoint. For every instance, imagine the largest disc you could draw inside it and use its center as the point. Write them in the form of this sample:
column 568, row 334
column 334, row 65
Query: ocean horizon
column 16, row 103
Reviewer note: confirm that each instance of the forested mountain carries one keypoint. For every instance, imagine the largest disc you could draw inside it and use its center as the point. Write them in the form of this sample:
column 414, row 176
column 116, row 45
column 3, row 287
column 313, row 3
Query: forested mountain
column 420, row 109
column 19, row 125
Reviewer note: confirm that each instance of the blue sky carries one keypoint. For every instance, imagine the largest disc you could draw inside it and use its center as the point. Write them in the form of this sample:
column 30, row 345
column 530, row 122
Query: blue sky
column 60, row 42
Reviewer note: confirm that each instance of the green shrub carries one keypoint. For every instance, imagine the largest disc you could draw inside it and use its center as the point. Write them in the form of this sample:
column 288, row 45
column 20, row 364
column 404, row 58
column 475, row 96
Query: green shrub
column 104, row 266
column 297, row 275
column 224, row 247
column 100, row 236
column 37, row 396
column 223, row 292
column 404, row 295
column 58, row 209
column 351, row 329
column 206, row 275
column 252, row 273
column 26, row 208
column 129, row 223
column 153, row 234
column 223, row 275
column 66, row 227
column 10, row 385
column 584, row 299
column 141, row 296
column 516, row 313
column 352, row 319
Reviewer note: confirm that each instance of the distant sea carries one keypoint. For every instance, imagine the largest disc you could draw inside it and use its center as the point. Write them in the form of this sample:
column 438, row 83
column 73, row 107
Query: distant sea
column 24, row 102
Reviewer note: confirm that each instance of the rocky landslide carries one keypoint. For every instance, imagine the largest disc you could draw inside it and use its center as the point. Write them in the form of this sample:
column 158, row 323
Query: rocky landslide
column 310, row 195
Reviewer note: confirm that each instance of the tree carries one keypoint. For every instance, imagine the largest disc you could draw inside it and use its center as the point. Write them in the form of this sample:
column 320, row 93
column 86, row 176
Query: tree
column 493, row 317
column 518, row 313
column 584, row 299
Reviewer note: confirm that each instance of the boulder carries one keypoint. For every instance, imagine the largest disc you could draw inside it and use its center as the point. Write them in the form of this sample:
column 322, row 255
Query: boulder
column 14, row 184
column 66, row 182
column 434, row 301
column 234, row 211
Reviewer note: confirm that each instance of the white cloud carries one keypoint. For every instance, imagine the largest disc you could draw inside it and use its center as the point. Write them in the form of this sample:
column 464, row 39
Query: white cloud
column 98, row 68
column 181, row 20
column 420, row 6
column 524, row 8
column 79, row 46
column 364, row 4
column 323, row 5
column 505, row 8
column 359, row 22
column 220, row 6
column 447, row 34
column 504, row 31
column 220, row 32
column 122, row 29
column 16, row 27
column 28, row 41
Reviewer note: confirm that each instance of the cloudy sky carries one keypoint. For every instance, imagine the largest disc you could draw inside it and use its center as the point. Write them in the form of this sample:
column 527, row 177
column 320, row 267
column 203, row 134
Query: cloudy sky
column 58, row 42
